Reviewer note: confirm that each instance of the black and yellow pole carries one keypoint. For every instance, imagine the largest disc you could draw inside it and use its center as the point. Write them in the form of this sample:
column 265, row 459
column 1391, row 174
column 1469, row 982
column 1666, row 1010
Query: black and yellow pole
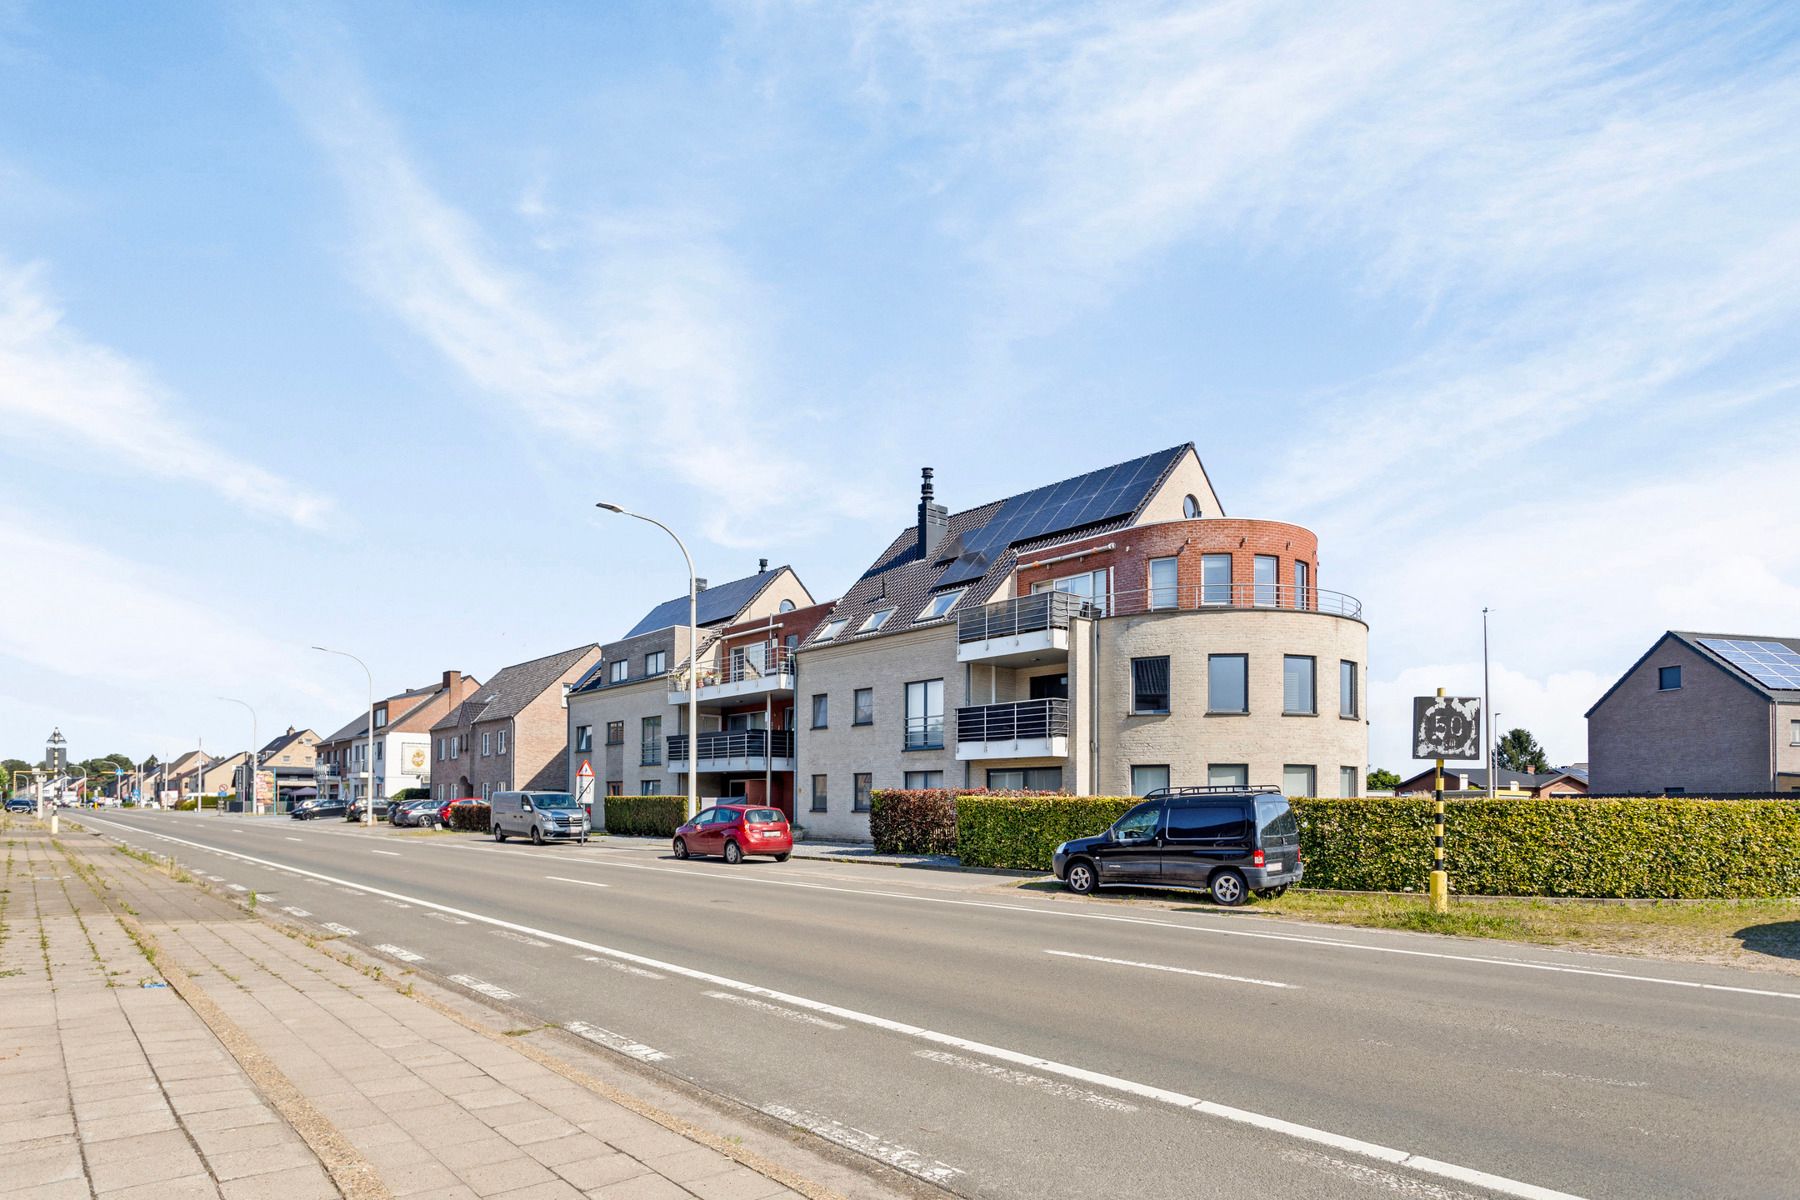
column 1440, row 879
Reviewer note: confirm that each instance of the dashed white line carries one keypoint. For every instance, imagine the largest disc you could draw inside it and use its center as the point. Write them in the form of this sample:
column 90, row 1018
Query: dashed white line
column 397, row 903
column 615, row 1041
column 1053, row 1087
column 486, row 989
column 582, row 882
column 520, row 938
column 776, row 1010
column 237, row 887
column 292, row 839
column 389, row 853
column 343, row 930
column 446, row 918
column 400, row 952
column 863, row 1142
column 295, row 912
column 625, row 967
column 1126, row 962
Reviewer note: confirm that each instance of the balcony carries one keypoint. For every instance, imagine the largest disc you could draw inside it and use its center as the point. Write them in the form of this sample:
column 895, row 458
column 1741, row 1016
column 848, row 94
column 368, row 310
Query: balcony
column 1022, row 632
column 736, row 750
column 1026, row 729
column 743, row 671
column 1201, row 597
column 325, row 771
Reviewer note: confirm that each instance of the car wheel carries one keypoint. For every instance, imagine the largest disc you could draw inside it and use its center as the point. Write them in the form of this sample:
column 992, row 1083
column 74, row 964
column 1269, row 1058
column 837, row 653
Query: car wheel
column 681, row 850
column 734, row 854
column 1081, row 877
column 499, row 833
column 784, row 856
column 1273, row 893
column 1228, row 888
column 537, row 836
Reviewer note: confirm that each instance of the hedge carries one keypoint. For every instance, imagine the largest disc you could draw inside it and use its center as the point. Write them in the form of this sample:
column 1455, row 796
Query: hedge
column 473, row 817
column 920, row 820
column 644, row 816
column 1641, row 848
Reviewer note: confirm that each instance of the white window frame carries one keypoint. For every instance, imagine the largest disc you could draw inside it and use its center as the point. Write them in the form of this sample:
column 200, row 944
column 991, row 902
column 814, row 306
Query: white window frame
column 500, row 742
column 831, row 630
column 940, row 605
column 1163, row 595
column 618, row 670
column 487, row 744
column 876, row 620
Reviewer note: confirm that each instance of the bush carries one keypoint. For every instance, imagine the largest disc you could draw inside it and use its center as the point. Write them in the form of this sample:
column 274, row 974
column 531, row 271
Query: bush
column 919, row 821
column 472, row 817
column 644, row 816
column 1020, row 833
column 412, row 793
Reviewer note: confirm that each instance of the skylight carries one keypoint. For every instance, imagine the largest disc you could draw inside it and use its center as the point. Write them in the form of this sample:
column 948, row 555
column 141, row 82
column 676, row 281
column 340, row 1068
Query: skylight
column 941, row 603
column 876, row 620
column 832, row 629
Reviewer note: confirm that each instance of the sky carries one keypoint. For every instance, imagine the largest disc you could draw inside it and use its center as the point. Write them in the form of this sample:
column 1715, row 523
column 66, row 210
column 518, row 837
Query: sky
column 328, row 325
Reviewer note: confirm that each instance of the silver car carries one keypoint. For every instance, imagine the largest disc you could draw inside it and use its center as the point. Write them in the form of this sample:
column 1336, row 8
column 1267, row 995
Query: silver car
column 540, row 816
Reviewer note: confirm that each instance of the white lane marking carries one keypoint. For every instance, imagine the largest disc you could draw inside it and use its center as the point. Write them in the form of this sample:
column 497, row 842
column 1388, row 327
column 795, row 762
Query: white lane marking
column 397, row 903
column 518, row 937
column 237, row 887
column 1362, row 1173
column 446, row 918
column 1126, row 962
column 216, row 878
column 486, row 989
column 582, row 882
column 863, row 1142
column 1573, row 1078
column 295, row 912
column 777, row 1010
column 342, row 930
column 627, row 968
column 400, row 952
column 1293, row 1129
column 389, row 853
column 615, row 1041
column 293, row 839
column 1054, row 1087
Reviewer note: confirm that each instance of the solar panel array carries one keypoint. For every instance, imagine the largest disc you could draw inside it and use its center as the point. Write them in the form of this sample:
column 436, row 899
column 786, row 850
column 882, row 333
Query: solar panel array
column 1085, row 500
column 1769, row 663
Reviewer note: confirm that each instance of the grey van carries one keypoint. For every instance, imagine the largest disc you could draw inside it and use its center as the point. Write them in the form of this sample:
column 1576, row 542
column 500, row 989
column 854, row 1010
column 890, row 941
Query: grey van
column 1228, row 841
column 540, row 816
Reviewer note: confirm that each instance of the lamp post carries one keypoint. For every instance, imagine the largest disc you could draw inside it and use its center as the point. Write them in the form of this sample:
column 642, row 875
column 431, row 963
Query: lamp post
column 693, row 680
column 1487, row 701
column 250, row 770
column 369, row 746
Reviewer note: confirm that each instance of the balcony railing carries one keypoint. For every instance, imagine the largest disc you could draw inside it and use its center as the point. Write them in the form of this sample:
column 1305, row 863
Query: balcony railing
column 925, row 733
column 1197, row 596
column 651, row 755
column 1027, row 614
column 739, row 665
column 325, row 771
column 1025, row 720
column 734, row 744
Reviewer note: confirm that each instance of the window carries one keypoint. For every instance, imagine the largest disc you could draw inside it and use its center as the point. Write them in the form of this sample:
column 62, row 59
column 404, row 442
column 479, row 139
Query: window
column 380, row 717
column 1140, row 822
column 1215, row 579
column 1163, row 593
column 615, row 733
column 1227, row 683
column 1221, row 824
column 484, row 791
column 1348, row 780
column 456, row 746
column 818, row 793
column 1668, row 679
column 1268, row 578
column 876, row 620
column 487, row 745
column 1026, row 779
column 786, row 606
column 1347, row 689
column 1145, row 780
column 500, row 742
column 925, row 715
column 656, row 662
column 941, row 603
column 443, row 749
column 1794, row 733
column 1228, row 775
column 616, row 672
column 1299, row 780
column 821, row 709
column 924, row 780
column 1302, row 584
column 865, row 707
column 584, row 736
column 1150, row 685
column 1299, row 685
column 615, row 787
column 864, row 784
column 379, row 746
column 650, row 739
column 650, row 787
column 1190, row 507
column 1089, row 585
column 832, row 629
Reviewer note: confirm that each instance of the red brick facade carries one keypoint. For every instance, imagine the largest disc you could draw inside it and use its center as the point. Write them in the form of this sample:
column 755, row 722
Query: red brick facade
column 1129, row 560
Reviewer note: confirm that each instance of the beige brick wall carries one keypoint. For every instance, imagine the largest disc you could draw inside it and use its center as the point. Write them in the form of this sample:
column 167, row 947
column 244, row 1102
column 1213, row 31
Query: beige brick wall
column 1188, row 478
column 1710, row 735
column 631, row 703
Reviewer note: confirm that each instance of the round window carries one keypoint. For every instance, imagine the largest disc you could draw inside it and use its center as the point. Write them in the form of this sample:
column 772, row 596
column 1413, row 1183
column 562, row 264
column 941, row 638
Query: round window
column 787, row 606
column 1191, row 506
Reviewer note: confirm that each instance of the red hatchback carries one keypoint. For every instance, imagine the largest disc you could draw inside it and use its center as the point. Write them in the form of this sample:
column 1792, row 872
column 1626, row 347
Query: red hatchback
column 734, row 830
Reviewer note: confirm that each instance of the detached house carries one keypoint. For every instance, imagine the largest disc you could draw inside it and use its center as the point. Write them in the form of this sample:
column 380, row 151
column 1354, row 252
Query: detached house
column 290, row 758
column 402, row 741
column 512, row 733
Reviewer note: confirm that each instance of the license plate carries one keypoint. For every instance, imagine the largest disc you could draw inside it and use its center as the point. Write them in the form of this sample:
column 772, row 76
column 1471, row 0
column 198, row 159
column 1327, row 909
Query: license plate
column 1274, row 866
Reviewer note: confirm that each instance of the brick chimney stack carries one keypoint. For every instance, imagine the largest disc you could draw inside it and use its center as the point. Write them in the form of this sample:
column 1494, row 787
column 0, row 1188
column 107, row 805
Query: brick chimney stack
column 453, row 687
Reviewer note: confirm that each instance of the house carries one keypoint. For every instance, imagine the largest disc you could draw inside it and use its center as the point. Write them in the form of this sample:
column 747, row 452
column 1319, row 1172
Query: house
column 402, row 741
column 1701, row 714
column 1509, row 784
column 290, row 758
column 511, row 733
column 179, row 776
column 1105, row 634
column 628, row 713
column 219, row 774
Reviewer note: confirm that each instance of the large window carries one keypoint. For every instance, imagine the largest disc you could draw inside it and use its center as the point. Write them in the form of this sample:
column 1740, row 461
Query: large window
column 818, row 793
column 1299, row 685
column 1150, row 685
column 1220, row 824
column 865, row 707
column 1794, row 733
column 1227, row 683
column 1268, row 579
column 1215, row 579
column 1299, row 780
column 864, row 784
column 924, row 780
column 1163, row 592
column 1145, row 780
column 925, row 715
column 656, row 662
column 1228, row 775
column 1302, row 584
column 1089, row 585
column 615, row 673
column 1668, row 679
column 1347, row 697
column 615, row 733
column 650, row 743
column 1025, row 779
column 821, row 710
column 1349, row 779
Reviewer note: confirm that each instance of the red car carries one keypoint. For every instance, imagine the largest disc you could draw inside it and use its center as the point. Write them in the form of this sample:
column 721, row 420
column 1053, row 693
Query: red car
column 734, row 830
column 446, row 806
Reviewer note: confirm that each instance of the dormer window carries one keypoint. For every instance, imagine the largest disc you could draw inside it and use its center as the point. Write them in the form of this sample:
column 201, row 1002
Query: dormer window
column 941, row 604
column 616, row 672
column 876, row 620
column 380, row 717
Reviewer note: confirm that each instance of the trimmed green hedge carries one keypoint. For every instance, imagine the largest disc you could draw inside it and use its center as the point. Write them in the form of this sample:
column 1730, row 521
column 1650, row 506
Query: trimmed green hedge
column 921, row 820
column 644, row 816
column 1021, row 832
column 473, row 817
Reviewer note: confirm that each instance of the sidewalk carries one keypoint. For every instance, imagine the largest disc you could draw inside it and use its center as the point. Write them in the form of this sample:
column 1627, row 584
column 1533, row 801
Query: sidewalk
column 268, row 1068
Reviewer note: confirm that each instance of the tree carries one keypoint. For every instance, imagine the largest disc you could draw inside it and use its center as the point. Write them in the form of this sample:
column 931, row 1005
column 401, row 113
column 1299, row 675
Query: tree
column 1519, row 751
column 12, row 767
column 1382, row 780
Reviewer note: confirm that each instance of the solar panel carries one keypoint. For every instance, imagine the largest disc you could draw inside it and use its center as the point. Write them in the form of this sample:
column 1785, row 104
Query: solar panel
column 1769, row 663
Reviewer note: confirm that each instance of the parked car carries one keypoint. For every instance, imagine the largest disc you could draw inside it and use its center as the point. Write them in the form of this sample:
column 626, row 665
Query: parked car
column 444, row 813
column 414, row 812
column 734, row 830
column 355, row 810
column 21, row 804
column 1230, row 842
column 308, row 810
column 542, row 816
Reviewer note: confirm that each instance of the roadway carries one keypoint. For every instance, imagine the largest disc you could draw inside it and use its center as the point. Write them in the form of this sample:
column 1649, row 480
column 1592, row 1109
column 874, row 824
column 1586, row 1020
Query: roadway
column 1005, row 1043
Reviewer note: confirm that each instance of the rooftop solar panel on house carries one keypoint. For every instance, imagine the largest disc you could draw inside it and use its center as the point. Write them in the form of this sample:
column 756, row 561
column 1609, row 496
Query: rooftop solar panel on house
column 1769, row 663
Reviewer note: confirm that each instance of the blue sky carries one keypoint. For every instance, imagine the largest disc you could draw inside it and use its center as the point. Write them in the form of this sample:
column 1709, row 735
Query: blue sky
column 329, row 325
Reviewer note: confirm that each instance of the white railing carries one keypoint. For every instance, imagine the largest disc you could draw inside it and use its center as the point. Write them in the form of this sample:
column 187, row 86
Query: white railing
column 738, row 665
column 1197, row 596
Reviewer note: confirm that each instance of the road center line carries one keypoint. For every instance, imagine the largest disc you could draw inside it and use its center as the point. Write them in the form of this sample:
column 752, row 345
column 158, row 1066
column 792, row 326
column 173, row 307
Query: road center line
column 582, row 882
column 389, row 853
column 1126, row 962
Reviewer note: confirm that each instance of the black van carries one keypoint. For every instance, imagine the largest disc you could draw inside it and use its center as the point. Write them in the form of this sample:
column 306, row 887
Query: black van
column 1229, row 841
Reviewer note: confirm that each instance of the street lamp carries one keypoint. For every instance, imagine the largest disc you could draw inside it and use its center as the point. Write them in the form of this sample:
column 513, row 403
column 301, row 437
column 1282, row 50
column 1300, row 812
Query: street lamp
column 369, row 746
column 118, row 782
column 693, row 680
column 250, row 770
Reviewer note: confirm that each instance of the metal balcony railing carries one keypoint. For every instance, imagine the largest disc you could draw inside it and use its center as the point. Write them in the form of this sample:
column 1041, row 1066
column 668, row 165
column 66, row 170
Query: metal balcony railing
column 1020, row 721
column 735, row 743
column 650, row 756
column 1240, row 594
column 738, row 664
column 325, row 771
column 925, row 733
column 1027, row 614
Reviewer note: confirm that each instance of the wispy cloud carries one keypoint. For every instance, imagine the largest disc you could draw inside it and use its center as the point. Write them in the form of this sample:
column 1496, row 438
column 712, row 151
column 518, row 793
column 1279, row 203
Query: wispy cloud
column 58, row 387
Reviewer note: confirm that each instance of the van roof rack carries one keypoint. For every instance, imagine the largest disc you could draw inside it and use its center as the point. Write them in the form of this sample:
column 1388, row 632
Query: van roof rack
column 1210, row 789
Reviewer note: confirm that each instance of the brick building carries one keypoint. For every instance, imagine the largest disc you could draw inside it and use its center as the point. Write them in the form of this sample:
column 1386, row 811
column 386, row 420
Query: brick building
column 512, row 733
column 402, row 741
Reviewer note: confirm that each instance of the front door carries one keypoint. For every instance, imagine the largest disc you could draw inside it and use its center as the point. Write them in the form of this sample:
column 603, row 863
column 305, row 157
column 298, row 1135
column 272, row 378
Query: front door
column 1132, row 852
column 1203, row 836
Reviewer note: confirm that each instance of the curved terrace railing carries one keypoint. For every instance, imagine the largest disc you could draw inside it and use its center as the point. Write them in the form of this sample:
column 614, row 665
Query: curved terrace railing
column 1053, row 610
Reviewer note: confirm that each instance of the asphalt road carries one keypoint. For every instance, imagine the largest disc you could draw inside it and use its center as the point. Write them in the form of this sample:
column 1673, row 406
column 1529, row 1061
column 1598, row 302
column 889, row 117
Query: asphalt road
column 1002, row 1043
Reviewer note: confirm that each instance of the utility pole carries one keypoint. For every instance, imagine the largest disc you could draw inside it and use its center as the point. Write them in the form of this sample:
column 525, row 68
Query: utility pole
column 1487, row 705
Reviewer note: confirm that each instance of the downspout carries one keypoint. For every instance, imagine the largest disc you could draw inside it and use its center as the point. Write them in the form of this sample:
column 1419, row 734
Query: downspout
column 1094, row 709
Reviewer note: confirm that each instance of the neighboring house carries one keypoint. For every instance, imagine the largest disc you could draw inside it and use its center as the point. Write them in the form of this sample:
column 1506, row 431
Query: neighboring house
column 181, row 775
column 291, row 759
column 1107, row 634
column 1508, row 784
column 402, row 741
column 1700, row 714
column 628, row 714
column 512, row 733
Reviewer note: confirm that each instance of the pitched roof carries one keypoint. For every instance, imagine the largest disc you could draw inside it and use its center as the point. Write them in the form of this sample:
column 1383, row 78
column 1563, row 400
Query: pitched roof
column 1693, row 641
column 513, row 688
column 1504, row 777
column 720, row 602
column 285, row 740
column 359, row 725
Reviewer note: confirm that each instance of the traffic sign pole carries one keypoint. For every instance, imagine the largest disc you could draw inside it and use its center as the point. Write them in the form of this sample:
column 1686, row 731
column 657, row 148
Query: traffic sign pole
column 1440, row 878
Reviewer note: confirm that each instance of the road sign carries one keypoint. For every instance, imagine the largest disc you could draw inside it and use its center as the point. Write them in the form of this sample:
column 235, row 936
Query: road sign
column 1447, row 727
column 585, row 770
column 221, row 793
column 584, row 786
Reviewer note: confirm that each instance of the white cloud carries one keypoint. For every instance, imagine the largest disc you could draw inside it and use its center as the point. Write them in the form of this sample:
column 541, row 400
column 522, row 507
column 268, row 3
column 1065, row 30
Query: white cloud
column 57, row 386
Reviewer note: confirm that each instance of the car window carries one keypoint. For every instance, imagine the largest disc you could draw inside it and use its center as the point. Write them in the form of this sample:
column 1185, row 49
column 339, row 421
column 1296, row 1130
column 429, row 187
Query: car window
column 1139, row 822
column 1277, row 822
column 706, row 816
column 554, row 800
column 762, row 816
column 1208, row 822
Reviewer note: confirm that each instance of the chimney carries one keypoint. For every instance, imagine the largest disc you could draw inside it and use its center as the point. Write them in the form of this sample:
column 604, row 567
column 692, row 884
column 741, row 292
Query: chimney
column 453, row 686
column 762, row 566
column 699, row 586
column 934, row 519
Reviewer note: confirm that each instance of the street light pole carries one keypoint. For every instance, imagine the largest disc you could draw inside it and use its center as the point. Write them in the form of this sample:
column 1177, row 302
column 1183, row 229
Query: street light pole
column 369, row 745
column 250, row 770
column 693, row 680
column 1487, row 707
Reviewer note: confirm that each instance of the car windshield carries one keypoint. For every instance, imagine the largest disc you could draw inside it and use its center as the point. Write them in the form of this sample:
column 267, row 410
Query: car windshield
column 762, row 816
column 554, row 800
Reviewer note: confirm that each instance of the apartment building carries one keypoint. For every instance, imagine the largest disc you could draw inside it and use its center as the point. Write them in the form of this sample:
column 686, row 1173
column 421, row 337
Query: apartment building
column 512, row 733
column 289, row 759
column 1106, row 634
column 628, row 714
column 402, row 741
